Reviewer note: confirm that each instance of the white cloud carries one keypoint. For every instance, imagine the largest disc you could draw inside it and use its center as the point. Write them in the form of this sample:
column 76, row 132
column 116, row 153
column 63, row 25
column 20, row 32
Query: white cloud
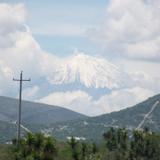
column 31, row 93
column 12, row 19
column 77, row 100
column 18, row 48
column 123, row 98
column 146, row 81
column 5, row 74
column 85, row 104
column 20, row 51
column 131, row 29
column 66, row 98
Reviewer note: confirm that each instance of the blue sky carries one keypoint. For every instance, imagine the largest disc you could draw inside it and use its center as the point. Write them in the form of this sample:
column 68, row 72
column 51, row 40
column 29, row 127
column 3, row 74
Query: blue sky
column 71, row 20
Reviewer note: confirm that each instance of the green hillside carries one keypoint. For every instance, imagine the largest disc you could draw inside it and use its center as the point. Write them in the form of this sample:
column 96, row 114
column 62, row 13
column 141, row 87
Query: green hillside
column 93, row 128
column 35, row 113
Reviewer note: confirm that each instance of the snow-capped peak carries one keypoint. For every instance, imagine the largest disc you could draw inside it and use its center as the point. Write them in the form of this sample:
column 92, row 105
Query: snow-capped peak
column 89, row 71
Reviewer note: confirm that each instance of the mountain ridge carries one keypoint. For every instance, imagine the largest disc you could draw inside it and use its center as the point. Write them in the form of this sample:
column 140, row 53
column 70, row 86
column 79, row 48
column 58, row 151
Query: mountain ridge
column 32, row 112
column 93, row 128
column 89, row 71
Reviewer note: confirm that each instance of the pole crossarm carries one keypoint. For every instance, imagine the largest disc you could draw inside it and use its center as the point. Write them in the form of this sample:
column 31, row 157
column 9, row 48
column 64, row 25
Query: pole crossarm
column 21, row 80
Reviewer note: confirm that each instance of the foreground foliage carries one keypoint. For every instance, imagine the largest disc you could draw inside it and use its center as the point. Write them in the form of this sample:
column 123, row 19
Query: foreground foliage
column 119, row 144
column 6, row 152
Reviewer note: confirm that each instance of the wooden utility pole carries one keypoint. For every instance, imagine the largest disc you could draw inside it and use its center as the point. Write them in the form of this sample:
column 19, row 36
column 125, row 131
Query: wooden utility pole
column 21, row 80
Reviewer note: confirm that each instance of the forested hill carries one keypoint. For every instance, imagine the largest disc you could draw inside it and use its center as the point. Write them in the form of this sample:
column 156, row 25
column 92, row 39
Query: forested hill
column 35, row 113
column 145, row 114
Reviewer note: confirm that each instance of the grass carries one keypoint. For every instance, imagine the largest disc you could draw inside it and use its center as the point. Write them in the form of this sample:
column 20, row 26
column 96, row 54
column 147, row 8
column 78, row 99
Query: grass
column 6, row 152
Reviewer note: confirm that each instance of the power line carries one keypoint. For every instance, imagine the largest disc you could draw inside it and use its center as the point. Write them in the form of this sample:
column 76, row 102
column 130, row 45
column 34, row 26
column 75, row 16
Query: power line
column 21, row 80
column 147, row 115
column 22, row 126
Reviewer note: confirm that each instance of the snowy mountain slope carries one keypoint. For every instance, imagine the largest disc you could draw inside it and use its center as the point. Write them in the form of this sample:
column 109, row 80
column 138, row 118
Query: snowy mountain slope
column 91, row 85
column 89, row 71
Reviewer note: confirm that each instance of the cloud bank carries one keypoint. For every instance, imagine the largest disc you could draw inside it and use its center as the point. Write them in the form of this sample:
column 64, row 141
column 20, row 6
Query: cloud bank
column 20, row 51
column 130, row 30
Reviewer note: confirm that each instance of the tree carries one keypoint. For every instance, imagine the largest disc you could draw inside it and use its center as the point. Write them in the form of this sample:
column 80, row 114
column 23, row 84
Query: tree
column 49, row 149
column 36, row 147
column 84, row 150
column 110, row 138
column 94, row 148
column 74, row 144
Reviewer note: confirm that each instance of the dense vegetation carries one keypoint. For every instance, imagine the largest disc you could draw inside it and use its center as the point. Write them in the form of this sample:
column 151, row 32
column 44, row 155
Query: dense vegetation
column 118, row 144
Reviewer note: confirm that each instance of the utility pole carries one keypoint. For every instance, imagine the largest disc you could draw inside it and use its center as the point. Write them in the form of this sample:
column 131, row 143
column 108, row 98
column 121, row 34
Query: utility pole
column 21, row 80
